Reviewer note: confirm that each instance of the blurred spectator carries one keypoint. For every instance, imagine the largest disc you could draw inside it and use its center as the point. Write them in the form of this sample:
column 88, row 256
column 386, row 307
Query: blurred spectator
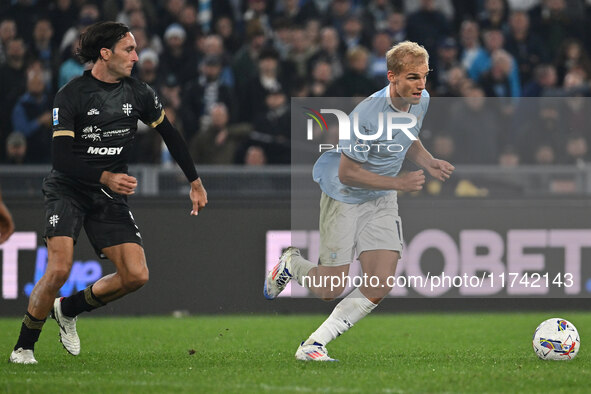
column 32, row 116
column 176, row 60
column 329, row 51
column 577, row 150
column 189, row 22
column 509, row 157
column 526, row 47
column 282, row 38
column 475, row 129
column 499, row 81
column 23, row 12
column 321, row 79
column 202, row 94
column 43, row 50
column 544, row 154
column 225, row 29
column 572, row 55
column 216, row 142
column 63, row 15
column 338, row 13
column 255, row 156
column 376, row 15
column 169, row 15
column 12, row 84
column 16, row 148
column 295, row 12
column 444, row 7
column 256, row 11
column 472, row 53
column 138, row 22
column 494, row 15
column 89, row 14
column 147, row 67
column 544, row 134
column 354, row 83
column 454, row 82
column 269, row 79
column 427, row 25
column 7, row 33
column 272, row 129
column 544, row 81
column 378, row 68
column 447, row 59
column 301, row 51
column 70, row 68
column 213, row 45
column 244, row 65
column 555, row 23
column 353, row 33
column 397, row 27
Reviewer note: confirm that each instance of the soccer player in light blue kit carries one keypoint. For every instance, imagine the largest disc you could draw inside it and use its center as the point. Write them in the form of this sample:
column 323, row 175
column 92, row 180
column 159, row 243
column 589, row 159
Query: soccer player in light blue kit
column 358, row 207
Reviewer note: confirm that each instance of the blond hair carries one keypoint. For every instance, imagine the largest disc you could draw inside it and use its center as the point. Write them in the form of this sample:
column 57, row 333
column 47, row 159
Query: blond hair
column 397, row 56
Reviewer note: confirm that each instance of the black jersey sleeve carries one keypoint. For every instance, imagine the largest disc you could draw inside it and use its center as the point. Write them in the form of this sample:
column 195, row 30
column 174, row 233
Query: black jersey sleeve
column 64, row 110
column 151, row 112
column 63, row 157
column 177, row 148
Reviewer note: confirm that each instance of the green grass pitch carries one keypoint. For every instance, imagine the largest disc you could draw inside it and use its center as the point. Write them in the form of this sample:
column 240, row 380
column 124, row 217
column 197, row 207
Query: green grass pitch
column 445, row 352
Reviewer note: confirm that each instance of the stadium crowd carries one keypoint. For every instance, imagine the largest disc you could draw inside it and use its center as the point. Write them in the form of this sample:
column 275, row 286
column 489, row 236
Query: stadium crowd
column 225, row 71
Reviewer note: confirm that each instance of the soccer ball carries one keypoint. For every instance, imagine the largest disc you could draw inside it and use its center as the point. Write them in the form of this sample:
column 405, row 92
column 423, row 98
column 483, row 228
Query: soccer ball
column 556, row 339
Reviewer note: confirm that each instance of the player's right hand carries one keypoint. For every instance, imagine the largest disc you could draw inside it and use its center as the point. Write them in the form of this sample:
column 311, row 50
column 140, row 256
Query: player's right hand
column 119, row 183
column 411, row 181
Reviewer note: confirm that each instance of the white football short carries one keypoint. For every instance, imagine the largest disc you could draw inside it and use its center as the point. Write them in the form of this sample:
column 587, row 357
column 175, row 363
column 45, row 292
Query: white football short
column 349, row 228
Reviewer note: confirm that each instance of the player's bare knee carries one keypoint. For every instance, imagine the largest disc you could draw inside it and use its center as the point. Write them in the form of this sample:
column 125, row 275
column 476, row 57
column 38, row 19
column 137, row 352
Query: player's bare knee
column 133, row 281
column 56, row 277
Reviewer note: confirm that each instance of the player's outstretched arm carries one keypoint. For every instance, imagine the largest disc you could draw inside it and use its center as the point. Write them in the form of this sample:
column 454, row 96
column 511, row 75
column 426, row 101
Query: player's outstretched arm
column 439, row 169
column 180, row 153
column 6, row 222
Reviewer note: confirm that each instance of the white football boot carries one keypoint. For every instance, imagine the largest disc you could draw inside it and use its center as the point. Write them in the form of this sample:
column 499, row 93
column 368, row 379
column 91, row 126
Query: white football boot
column 22, row 356
column 313, row 352
column 68, row 335
column 280, row 275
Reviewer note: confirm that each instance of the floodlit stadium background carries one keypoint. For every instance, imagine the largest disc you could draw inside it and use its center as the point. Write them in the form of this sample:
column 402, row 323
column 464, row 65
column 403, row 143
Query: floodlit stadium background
column 520, row 193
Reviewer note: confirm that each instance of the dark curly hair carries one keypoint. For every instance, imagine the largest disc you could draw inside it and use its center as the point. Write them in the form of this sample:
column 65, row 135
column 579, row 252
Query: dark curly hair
column 97, row 36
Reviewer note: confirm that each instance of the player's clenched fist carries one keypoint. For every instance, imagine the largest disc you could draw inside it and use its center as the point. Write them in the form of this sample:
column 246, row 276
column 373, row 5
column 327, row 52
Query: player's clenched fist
column 119, row 183
column 411, row 181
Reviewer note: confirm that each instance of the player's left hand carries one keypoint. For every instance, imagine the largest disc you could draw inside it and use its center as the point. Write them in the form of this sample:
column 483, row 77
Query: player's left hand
column 198, row 196
column 440, row 169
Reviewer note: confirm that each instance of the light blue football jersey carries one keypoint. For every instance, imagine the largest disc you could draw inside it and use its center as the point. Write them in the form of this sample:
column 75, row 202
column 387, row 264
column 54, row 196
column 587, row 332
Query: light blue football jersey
column 382, row 156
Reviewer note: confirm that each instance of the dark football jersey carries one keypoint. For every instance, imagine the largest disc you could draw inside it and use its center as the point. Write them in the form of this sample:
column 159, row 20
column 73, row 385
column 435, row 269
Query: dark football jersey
column 102, row 118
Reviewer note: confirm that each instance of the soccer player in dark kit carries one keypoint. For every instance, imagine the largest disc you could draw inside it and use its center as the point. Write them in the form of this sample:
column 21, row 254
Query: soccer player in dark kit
column 94, row 121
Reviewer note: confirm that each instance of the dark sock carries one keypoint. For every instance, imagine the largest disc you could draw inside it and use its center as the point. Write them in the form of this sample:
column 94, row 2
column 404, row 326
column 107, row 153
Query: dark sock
column 83, row 301
column 30, row 331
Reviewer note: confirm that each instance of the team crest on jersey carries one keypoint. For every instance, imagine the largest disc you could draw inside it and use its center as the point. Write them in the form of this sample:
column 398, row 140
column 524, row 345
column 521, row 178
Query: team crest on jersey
column 127, row 109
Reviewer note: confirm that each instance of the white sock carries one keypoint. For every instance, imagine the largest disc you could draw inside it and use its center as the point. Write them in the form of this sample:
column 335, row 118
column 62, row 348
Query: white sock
column 349, row 311
column 300, row 268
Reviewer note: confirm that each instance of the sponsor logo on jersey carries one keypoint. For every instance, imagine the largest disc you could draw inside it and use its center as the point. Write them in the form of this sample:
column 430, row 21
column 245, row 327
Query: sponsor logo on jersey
column 127, row 109
column 93, row 111
column 55, row 116
column 111, row 133
column 91, row 133
column 104, row 151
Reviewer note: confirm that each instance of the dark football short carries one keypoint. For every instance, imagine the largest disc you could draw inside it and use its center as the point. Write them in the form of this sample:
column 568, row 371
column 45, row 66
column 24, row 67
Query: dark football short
column 104, row 214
